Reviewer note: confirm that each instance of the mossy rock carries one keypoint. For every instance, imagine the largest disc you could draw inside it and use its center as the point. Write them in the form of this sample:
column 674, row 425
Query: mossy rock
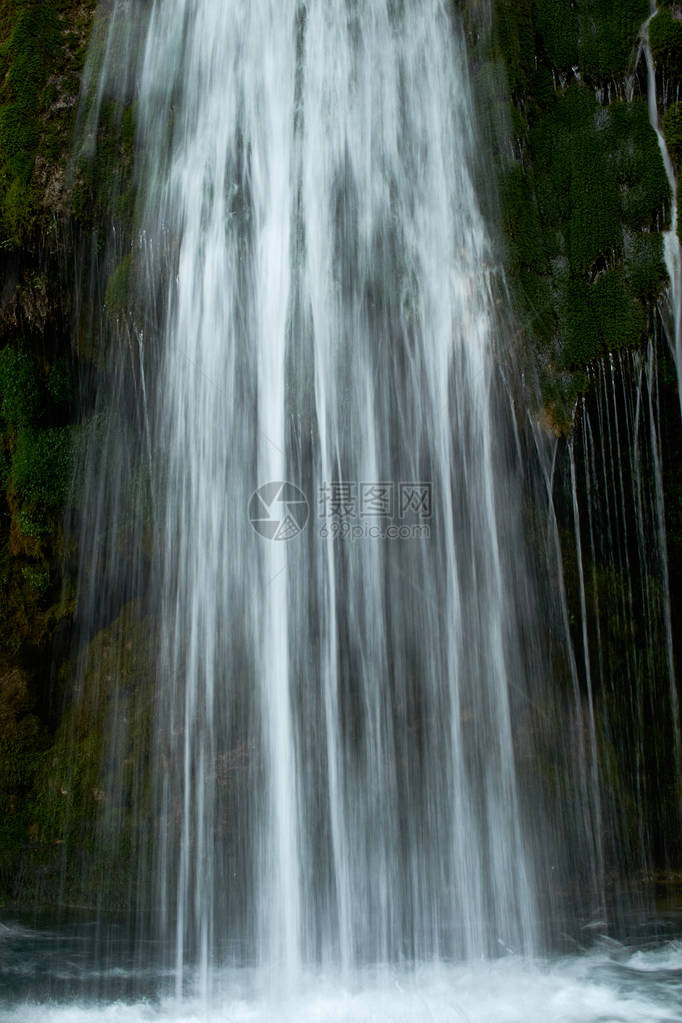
column 23, row 740
column 561, row 391
column 579, row 326
column 638, row 167
column 620, row 317
column 596, row 36
column 665, row 38
column 538, row 306
column 672, row 131
column 103, row 171
column 117, row 291
column 60, row 383
column 520, row 218
column 513, row 36
column 598, row 318
column 89, row 778
column 645, row 268
column 41, row 58
column 41, row 467
column 27, row 55
column 608, row 31
column 20, row 387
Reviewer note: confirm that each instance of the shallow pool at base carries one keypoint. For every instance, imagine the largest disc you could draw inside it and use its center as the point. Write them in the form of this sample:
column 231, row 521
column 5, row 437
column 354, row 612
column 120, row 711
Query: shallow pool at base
column 610, row 985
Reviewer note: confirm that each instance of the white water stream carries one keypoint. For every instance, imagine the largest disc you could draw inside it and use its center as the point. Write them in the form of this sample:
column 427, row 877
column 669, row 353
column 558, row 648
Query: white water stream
column 671, row 241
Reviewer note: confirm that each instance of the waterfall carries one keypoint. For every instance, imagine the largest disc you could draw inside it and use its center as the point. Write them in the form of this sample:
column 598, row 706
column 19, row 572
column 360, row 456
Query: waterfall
column 341, row 687
column 625, row 638
column 671, row 242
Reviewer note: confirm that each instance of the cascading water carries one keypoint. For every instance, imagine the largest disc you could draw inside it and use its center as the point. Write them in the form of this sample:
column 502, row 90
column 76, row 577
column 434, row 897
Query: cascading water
column 626, row 632
column 315, row 296
column 671, row 246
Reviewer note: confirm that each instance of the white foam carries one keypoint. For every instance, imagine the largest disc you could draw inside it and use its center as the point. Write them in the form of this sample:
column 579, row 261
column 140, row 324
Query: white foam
column 591, row 989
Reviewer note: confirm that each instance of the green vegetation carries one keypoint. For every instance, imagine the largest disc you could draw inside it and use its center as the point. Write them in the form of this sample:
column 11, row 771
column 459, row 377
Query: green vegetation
column 25, row 60
column 41, row 54
column 581, row 217
column 40, row 450
column 103, row 171
column 639, row 170
column 42, row 465
column 672, row 131
column 665, row 37
column 20, row 391
column 584, row 193
column 644, row 265
column 596, row 36
column 118, row 286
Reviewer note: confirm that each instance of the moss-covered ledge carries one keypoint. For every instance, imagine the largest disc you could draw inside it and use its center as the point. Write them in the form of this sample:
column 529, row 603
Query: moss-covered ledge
column 584, row 194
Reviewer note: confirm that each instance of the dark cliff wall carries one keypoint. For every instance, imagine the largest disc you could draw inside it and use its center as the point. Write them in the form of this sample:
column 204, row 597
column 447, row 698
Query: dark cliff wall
column 55, row 199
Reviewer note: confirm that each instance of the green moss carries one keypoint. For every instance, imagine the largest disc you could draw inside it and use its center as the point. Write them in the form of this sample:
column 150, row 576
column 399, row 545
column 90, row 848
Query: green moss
column 20, row 390
column 60, row 384
column 558, row 28
column 608, row 33
column 579, row 326
column 665, row 37
column 520, row 219
column 536, row 311
column 41, row 57
column 560, row 392
column 41, row 467
column 81, row 796
column 620, row 317
column 672, row 131
column 22, row 747
column 66, row 784
column 638, row 166
column 128, row 122
column 118, row 286
column 550, row 147
column 33, row 524
column 587, row 205
column 645, row 266
column 576, row 184
column 37, row 577
column 104, row 170
column 26, row 56
column 596, row 36
column 594, row 227
column 513, row 37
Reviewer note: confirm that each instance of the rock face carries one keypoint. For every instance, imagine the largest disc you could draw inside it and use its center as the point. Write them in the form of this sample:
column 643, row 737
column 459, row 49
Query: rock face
column 47, row 217
column 583, row 189
column 581, row 199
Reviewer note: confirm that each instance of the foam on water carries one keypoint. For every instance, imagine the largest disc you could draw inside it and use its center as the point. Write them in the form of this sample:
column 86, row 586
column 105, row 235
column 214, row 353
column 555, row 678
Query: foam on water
column 640, row 987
